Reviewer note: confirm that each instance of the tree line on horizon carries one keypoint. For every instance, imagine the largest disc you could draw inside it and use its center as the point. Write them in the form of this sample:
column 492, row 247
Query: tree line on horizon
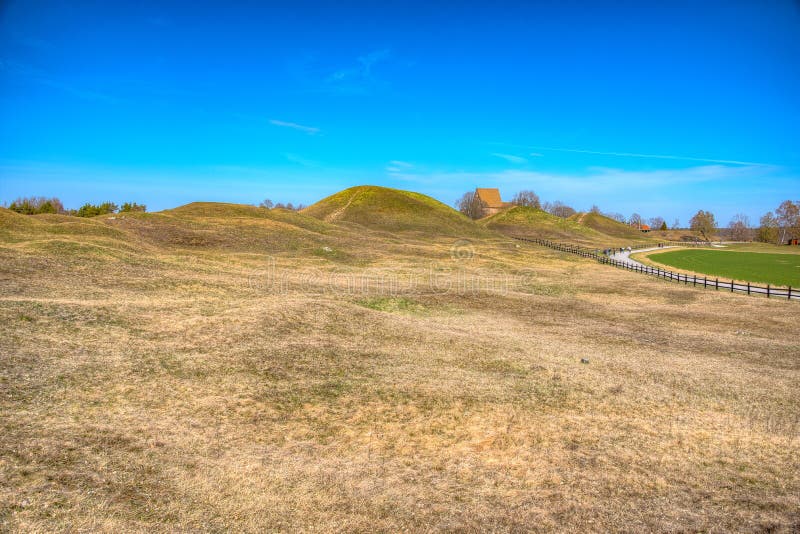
column 774, row 227
column 268, row 205
column 38, row 205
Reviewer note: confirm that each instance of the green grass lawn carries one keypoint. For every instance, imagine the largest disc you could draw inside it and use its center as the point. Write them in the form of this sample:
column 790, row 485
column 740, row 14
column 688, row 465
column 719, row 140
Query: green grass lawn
column 776, row 269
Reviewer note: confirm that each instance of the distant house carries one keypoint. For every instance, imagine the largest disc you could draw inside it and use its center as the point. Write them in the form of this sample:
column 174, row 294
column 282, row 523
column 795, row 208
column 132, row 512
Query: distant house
column 644, row 227
column 490, row 200
column 793, row 241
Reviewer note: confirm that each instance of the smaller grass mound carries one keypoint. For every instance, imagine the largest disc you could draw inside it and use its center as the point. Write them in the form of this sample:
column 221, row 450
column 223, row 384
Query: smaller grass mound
column 524, row 221
column 223, row 226
column 609, row 227
column 765, row 268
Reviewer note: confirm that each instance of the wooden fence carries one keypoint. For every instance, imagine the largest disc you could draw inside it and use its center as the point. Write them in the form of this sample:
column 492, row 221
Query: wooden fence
column 694, row 280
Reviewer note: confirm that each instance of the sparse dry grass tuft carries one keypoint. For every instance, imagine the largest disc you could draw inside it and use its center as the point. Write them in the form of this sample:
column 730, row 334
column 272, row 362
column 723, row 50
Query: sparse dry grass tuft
column 148, row 386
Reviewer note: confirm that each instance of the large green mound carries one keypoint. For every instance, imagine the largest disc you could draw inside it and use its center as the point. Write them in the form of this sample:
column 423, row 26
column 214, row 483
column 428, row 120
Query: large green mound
column 392, row 210
column 608, row 226
column 524, row 221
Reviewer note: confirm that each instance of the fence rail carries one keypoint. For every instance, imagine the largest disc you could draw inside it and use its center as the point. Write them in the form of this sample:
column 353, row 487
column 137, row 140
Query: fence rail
column 694, row 280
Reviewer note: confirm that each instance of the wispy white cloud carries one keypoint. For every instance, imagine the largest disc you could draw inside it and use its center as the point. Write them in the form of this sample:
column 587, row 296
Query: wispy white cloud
column 594, row 179
column 294, row 126
column 651, row 156
column 398, row 163
column 510, row 158
column 398, row 166
column 724, row 189
column 294, row 158
column 36, row 75
column 358, row 78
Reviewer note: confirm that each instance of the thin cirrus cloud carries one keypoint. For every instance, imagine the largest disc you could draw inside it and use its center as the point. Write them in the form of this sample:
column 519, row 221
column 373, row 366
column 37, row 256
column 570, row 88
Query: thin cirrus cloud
column 358, row 78
column 672, row 192
column 397, row 165
column 510, row 158
column 310, row 130
column 651, row 156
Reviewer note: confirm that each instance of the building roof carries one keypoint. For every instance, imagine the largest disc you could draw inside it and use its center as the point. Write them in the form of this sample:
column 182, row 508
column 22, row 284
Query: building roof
column 645, row 227
column 490, row 197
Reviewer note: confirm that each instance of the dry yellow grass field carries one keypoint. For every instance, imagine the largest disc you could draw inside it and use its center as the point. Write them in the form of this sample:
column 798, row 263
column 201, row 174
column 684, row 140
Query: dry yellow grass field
column 214, row 370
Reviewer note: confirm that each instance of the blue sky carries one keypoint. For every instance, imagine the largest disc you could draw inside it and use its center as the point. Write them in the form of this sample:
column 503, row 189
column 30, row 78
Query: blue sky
column 662, row 108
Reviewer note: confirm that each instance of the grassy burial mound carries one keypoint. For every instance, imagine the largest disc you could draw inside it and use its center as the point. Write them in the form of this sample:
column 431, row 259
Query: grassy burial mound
column 52, row 235
column 610, row 227
column 225, row 226
column 764, row 268
column 393, row 210
column 524, row 221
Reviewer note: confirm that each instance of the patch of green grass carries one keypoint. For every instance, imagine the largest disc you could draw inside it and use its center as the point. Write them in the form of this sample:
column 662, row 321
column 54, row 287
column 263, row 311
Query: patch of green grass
column 776, row 269
column 393, row 304
column 762, row 247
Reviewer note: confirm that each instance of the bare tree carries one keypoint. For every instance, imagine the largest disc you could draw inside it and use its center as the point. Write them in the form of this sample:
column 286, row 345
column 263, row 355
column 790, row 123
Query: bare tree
column 559, row 209
column 635, row 220
column 288, row 206
column 788, row 217
column 266, row 203
column 656, row 223
column 768, row 228
column 676, row 224
column 739, row 227
column 470, row 205
column 616, row 216
column 595, row 209
column 704, row 222
column 527, row 198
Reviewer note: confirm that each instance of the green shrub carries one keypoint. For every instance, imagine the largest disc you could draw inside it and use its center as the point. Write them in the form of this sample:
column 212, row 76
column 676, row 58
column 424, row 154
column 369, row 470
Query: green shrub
column 34, row 205
column 92, row 210
column 132, row 206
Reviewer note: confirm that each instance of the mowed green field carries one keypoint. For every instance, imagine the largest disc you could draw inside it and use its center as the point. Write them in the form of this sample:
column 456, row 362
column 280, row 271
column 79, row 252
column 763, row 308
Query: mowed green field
column 776, row 269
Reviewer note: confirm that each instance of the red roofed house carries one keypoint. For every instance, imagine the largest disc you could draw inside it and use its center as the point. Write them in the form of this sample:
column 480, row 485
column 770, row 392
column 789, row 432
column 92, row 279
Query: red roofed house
column 490, row 200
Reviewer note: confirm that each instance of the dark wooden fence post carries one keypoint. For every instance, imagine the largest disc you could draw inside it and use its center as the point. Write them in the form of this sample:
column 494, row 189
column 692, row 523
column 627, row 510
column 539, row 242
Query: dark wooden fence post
column 716, row 283
column 748, row 288
column 789, row 293
column 767, row 290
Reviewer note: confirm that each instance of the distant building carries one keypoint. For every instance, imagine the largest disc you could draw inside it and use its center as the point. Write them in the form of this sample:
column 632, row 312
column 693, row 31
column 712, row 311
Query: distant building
column 490, row 200
column 644, row 227
column 793, row 241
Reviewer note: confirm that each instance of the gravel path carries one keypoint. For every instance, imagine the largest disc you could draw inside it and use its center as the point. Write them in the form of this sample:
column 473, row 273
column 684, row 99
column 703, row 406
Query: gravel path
column 624, row 257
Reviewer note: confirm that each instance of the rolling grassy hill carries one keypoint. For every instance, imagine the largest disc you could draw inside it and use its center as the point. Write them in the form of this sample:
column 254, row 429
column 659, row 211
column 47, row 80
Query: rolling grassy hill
column 393, row 210
column 609, row 227
column 523, row 221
